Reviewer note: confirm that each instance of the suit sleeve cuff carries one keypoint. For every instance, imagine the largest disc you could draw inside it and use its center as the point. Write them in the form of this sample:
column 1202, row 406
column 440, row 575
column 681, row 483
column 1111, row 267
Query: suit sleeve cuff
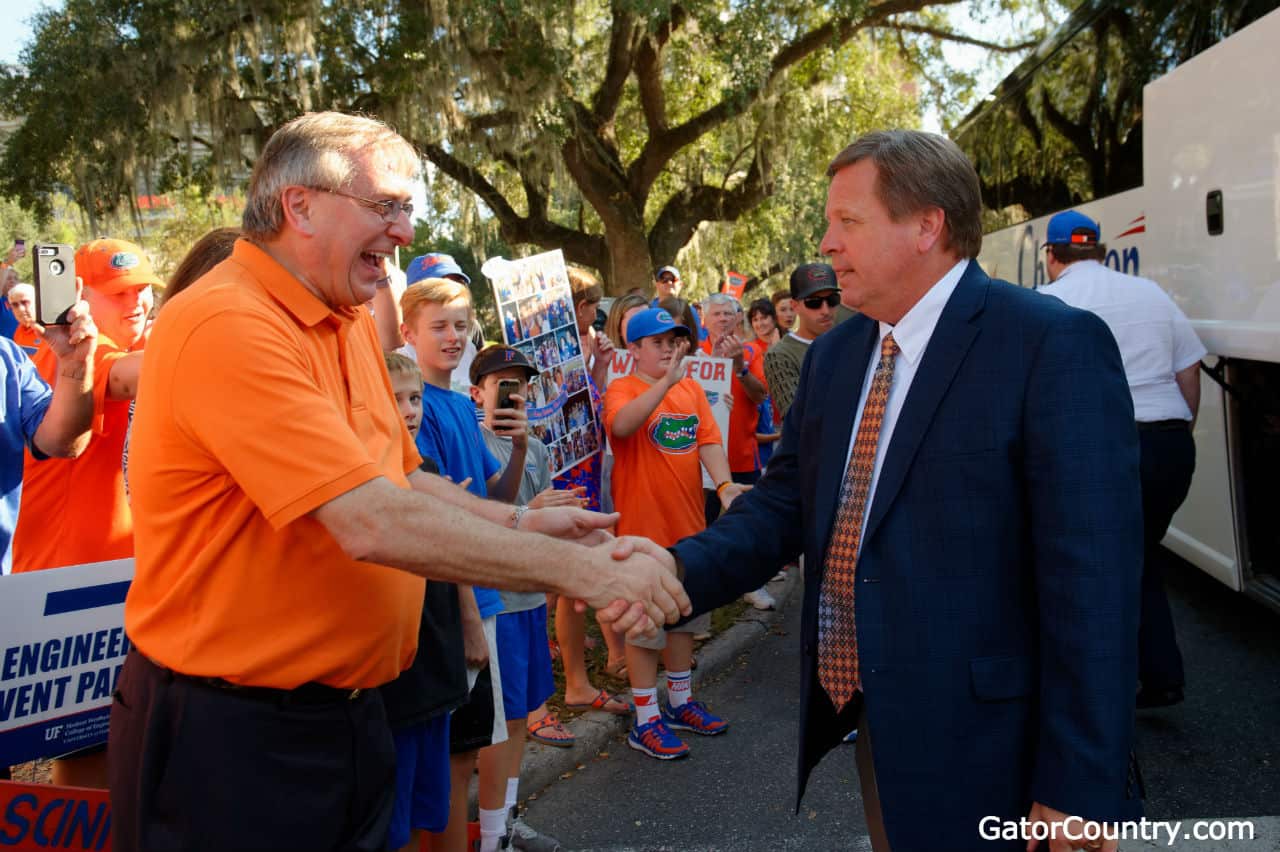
column 679, row 564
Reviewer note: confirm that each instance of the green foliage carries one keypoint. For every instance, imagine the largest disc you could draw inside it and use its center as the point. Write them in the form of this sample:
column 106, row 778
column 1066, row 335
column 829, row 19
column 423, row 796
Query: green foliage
column 1066, row 127
column 614, row 129
column 194, row 213
column 17, row 222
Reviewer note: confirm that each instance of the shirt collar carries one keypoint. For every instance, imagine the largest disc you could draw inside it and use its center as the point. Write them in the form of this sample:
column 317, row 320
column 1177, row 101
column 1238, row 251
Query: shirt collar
column 913, row 331
column 792, row 334
column 284, row 287
column 1077, row 265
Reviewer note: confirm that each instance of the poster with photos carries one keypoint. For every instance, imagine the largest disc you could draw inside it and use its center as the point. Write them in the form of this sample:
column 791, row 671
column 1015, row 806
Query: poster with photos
column 535, row 308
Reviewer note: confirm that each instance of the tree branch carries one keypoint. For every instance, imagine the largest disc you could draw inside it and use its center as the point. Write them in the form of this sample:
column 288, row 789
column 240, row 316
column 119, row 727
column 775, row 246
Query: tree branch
column 624, row 38
column 578, row 246
column 688, row 208
column 947, row 35
column 663, row 144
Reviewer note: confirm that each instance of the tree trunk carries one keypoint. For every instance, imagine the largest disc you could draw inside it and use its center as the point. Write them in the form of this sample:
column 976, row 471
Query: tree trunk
column 630, row 264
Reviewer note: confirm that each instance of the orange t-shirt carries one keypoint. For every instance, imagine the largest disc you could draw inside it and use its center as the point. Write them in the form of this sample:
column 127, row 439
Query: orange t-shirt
column 259, row 404
column 657, row 473
column 744, row 417
column 28, row 338
column 75, row 510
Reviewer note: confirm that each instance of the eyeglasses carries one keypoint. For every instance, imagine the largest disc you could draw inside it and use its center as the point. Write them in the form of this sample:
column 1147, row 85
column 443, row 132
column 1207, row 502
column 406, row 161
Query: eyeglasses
column 815, row 302
column 389, row 209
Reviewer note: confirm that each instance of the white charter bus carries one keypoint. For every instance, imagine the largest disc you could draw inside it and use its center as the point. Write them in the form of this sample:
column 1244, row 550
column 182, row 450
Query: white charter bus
column 1161, row 120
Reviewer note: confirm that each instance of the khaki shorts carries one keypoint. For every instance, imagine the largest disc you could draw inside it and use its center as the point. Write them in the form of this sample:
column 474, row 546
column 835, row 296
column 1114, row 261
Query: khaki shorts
column 701, row 624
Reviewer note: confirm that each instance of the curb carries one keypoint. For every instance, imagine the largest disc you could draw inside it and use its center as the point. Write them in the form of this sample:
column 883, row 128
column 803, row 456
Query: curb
column 596, row 730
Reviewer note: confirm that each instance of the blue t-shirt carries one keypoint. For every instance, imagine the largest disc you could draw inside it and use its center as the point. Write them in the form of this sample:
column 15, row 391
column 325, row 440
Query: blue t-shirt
column 8, row 322
column 24, row 399
column 450, row 436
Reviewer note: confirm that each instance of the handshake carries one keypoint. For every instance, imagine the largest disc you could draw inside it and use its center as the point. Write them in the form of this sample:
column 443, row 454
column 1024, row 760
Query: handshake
column 630, row 581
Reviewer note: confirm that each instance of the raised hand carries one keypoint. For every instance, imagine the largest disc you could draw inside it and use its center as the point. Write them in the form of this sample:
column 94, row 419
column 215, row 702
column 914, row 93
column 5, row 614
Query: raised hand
column 73, row 344
column 676, row 371
column 513, row 422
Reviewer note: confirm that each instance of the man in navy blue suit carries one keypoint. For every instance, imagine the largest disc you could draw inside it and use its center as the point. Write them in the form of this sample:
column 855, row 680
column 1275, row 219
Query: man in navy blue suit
column 978, row 532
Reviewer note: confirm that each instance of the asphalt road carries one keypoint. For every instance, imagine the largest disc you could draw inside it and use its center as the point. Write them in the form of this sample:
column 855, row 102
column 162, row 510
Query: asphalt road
column 1216, row 755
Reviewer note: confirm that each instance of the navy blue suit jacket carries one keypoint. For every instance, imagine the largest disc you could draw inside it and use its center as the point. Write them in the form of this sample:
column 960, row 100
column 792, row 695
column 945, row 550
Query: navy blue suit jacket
column 997, row 585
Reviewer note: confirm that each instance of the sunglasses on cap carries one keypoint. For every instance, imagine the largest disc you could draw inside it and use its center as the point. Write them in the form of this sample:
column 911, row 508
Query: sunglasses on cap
column 815, row 302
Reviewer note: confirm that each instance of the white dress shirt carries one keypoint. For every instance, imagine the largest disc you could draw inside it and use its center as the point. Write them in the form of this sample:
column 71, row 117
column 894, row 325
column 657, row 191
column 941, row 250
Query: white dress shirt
column 1155, row 338
column 912, row 334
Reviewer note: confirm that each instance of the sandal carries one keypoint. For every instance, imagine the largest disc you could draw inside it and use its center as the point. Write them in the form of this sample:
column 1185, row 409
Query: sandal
column 549, row 730
column 606, row 702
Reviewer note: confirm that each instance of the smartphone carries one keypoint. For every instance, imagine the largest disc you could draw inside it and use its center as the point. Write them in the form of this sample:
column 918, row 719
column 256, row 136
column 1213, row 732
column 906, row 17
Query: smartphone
column 54, row 278
column 19, row 248
column 506, row 387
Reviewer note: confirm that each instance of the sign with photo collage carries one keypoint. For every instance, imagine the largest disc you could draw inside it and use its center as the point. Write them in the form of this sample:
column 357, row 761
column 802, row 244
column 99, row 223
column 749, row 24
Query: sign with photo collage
column 535, row 307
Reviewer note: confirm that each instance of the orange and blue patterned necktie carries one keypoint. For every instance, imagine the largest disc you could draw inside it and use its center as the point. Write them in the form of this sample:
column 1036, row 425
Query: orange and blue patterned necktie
column 837, row 636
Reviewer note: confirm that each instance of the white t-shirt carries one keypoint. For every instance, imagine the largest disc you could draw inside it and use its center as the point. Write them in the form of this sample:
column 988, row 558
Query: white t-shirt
column 1155, row 338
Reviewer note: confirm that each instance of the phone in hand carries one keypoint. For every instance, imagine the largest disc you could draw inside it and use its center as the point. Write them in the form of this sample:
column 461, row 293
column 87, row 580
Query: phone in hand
column 506, row 387
column 54, row 279
column 19, row 248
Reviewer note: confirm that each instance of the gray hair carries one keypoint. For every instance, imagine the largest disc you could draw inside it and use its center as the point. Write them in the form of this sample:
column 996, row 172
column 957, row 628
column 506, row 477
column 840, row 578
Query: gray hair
column 719, row 299
column 317, row 150
column 917, row 170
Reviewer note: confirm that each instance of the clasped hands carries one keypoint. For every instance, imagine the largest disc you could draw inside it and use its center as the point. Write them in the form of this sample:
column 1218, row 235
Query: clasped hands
column 630, row 581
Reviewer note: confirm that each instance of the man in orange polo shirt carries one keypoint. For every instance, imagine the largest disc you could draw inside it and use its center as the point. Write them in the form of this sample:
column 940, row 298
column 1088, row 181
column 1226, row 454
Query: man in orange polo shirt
column 22, row 302
column 75, row 510
column 276, row 492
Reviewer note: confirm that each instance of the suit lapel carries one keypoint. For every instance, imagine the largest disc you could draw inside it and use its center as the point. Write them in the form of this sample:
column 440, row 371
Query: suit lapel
column 951, row 339
column 844, row 386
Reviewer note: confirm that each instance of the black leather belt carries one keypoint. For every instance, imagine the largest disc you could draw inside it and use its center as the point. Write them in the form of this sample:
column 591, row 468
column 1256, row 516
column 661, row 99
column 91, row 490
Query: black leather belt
column 1163, row 425
column 310, row 694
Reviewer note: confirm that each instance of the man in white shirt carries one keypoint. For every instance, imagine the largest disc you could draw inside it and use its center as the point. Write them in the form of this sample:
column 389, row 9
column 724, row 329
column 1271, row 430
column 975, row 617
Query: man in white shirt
column 1162, row 365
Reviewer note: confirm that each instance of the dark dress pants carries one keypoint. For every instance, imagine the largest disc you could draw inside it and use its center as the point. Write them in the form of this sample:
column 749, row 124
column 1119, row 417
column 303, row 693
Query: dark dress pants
column 195, row 767
column 1168, row 461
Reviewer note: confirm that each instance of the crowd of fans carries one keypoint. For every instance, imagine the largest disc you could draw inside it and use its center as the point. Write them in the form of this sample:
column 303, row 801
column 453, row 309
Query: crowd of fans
column 472, row 702
column 268, row 433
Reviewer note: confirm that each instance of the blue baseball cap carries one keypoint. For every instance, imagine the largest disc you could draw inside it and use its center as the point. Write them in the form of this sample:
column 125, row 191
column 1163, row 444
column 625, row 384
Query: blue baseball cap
column 653, row 321
column 675, row 273
column 434, row 266
column 1072, row 228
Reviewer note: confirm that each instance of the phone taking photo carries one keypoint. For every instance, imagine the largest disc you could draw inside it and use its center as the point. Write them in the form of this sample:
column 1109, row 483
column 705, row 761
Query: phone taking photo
column 506, row 387
column 54, row 280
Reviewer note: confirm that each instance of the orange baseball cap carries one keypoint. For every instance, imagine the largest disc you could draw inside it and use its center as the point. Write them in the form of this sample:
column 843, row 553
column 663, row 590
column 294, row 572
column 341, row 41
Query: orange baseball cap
column 113, row 266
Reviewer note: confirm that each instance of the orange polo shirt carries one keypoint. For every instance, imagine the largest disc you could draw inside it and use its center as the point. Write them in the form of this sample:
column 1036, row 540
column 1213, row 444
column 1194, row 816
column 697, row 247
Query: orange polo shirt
column 744, row 417
column 27, row 337
column 75, row 510
column 259, row 404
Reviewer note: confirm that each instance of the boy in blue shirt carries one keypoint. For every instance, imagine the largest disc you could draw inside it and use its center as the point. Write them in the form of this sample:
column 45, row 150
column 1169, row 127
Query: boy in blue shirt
column 437, row 318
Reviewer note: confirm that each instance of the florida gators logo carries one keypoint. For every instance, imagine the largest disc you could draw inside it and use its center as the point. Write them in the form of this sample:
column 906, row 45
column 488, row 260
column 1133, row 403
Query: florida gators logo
column 675, row 433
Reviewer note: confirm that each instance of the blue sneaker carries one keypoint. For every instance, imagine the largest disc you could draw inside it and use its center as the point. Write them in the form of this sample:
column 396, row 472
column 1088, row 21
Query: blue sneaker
column 694, row 716
column 656, row 740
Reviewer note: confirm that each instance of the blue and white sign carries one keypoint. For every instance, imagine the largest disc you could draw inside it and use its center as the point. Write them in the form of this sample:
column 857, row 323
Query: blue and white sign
column 62, row 644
